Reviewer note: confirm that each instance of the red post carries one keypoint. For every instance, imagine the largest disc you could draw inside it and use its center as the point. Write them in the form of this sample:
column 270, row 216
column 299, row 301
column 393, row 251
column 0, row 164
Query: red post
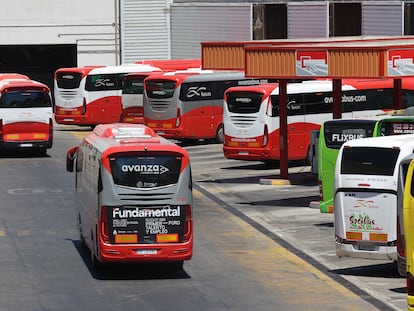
column 283, row 129
column 337, row 100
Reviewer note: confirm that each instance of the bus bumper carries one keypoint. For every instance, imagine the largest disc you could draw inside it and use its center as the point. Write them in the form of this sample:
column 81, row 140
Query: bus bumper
column 370, row 251
column 33, row 145
column 250, row 154
column 71, row 120
column 109, row 253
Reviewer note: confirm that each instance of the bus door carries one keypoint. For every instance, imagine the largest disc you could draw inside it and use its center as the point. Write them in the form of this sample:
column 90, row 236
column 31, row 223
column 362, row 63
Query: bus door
column 198, row 109
column 104, row 102
column 296, row 127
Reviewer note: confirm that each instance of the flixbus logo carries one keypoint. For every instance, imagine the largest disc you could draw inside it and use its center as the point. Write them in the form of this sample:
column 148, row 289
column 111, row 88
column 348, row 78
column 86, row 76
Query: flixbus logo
column 154, row 169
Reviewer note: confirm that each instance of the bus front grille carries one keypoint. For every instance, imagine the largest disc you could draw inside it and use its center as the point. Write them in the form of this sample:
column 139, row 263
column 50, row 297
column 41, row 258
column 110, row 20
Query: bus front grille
column 243, row 121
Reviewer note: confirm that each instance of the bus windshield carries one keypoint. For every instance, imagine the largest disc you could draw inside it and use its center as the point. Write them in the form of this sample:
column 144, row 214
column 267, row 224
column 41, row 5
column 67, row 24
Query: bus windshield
column 336, row 133
column 145, row 171
column 68, row 80
column 160, row 89
column 25, row 99
column 369, row 161
column 244, row 102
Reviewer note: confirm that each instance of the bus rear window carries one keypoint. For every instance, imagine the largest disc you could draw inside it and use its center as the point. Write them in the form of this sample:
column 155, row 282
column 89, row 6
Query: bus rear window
column 369, row 161
column 336, row 133
column 244, row 102
column 25, row 99
column 145, row 171
column 160, row 89
column 68, row 80
column 396, row 127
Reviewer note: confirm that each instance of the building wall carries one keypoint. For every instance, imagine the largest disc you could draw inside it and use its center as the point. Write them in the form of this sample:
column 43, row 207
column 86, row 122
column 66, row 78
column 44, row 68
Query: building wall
column 88, row 24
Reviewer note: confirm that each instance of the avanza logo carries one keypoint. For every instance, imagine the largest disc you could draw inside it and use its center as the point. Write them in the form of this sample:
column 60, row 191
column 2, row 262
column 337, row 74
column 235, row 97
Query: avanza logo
column 154, row 169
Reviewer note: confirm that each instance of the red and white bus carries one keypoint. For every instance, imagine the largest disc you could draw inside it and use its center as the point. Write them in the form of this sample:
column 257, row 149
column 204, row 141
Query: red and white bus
column 189, row 105
column 251, row 114
column 134, row 196
column 26, row 114
column 133, row 86
column 88, row 96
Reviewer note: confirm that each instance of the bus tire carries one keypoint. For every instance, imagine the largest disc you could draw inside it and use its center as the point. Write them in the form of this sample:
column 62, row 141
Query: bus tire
column 220, row 134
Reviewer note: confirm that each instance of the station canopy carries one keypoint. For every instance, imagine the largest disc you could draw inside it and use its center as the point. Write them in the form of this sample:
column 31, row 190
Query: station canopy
column 335, row 58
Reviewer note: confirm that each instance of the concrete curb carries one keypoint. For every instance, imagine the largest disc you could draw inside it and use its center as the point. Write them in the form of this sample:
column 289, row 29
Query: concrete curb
column 274, row 182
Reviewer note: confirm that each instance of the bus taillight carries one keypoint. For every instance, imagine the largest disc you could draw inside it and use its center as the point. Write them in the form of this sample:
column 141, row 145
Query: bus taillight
column 103, row 222
column 178, row 119
column 1, row 130
column 265, row 136
column 188, row 223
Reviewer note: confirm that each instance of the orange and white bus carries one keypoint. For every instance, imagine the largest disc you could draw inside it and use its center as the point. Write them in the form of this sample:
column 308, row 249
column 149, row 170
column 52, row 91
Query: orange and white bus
column 189, row 105
column 88, row 96
column 133, row 86
column 251, row 114
column 26, row 114
column 134, row 196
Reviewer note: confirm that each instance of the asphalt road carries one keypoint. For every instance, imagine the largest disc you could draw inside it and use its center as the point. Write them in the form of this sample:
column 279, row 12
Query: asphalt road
column 257, row 247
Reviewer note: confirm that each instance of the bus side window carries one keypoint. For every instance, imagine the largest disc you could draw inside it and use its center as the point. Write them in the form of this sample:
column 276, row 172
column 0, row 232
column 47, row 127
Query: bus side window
column 315, row 103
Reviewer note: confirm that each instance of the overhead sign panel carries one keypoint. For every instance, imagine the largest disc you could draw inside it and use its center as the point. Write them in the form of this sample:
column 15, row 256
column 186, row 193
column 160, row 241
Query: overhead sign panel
column 312, row 63
column 401, row 62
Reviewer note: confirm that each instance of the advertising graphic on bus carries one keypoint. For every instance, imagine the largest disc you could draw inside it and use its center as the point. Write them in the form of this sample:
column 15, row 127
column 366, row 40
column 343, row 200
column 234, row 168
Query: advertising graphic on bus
column 133, row 86
column 334, row 133
column 26, row 114
column 88, row 96
column 189, row 105
column 134, row 195
column 365, row 189
column 251, row 114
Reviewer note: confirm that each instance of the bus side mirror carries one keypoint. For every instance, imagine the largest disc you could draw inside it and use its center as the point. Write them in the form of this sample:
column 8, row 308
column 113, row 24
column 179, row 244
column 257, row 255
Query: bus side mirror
column 70, row 158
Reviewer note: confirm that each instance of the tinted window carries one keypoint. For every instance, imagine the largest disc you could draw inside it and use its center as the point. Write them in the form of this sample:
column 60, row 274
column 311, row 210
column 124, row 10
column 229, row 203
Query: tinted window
column 145, row 171
column 369, row 161
column 133, row 86
column 197, row 91
column 396, row 128
column 244, row 102
column 104, row 82
column 160, row 89
column 25, row 99
column 336, row 132
column 68, row 80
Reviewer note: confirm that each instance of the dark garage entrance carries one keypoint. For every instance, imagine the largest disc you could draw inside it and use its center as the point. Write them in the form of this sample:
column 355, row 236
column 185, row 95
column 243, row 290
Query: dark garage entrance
column 39, row 62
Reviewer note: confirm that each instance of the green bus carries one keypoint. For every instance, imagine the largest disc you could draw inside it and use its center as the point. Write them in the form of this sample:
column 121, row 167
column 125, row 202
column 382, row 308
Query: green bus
column 334, row 133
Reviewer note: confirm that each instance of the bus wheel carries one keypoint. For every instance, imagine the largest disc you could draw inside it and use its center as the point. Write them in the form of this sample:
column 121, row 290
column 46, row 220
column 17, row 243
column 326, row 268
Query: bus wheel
column 220, row 134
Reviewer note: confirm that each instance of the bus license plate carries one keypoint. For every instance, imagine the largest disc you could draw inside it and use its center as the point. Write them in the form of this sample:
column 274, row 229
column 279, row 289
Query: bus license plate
column 243, row 153
column 161, row 133
column 27, row 145
column 147, row 252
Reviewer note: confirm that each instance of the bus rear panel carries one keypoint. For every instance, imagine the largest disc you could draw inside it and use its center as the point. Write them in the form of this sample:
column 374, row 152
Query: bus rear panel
column 365, row 198
column 144, row 199
column 26, row 115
